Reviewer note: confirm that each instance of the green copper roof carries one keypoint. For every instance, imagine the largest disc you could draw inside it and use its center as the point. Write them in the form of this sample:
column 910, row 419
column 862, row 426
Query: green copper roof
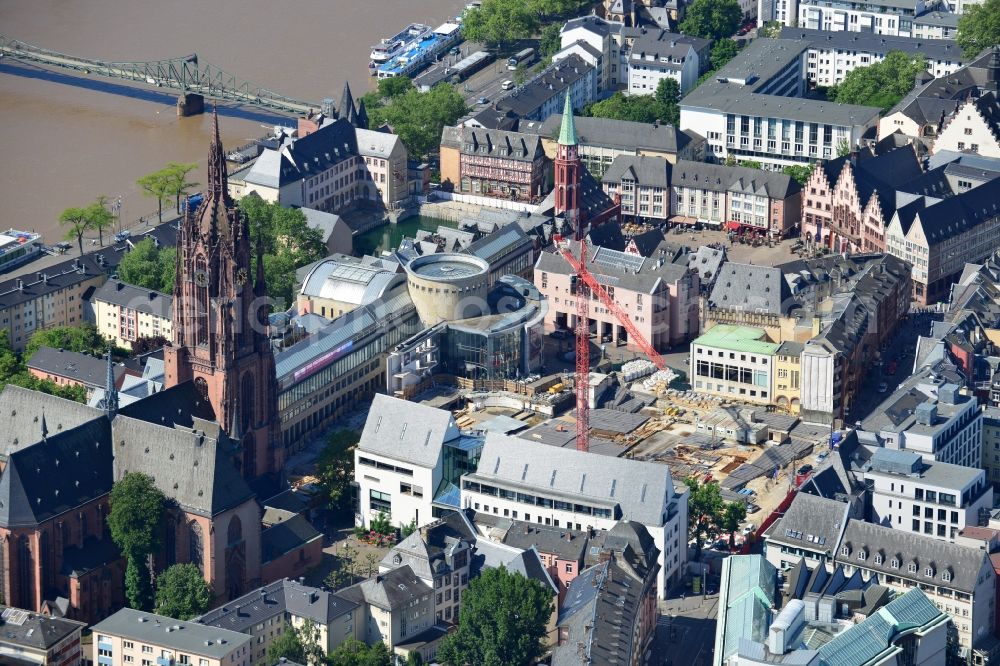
column 567, row 132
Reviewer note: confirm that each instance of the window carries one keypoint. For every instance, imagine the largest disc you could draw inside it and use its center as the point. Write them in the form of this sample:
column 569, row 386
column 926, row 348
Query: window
column 569, row 567
column 911, row 567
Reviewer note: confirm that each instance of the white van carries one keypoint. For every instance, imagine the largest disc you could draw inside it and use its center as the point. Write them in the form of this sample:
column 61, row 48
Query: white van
column 507, row 85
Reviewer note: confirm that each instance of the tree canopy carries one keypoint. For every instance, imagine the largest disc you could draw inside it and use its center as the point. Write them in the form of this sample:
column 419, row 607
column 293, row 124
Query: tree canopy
column 335, row 468
column 149, row 266
column 170, row 182
column 417, row 117
column 661, row 106
column 550, row 40
column 880, row 84
column 134, row 520
column 355, row 653
column 800, row 173
column 709, row 513
column 297, row 643
column 501, row 622
column 289, row 243
column 13, row 371
column 979, row 27
column 182, row 593
column 723, row 51
column 84, row 338
column 712, row 19
column 499, row 22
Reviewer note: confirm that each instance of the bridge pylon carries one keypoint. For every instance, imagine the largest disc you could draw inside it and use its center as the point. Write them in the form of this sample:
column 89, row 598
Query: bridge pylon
column 190, row 104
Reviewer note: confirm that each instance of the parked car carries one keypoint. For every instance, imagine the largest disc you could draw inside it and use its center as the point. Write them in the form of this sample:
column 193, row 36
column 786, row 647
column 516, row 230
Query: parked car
column 559, row 334
column 883, row 387
column 122, row 236
column 752, row 508
column 748, row 528
column 805, row 469
column 483, row 100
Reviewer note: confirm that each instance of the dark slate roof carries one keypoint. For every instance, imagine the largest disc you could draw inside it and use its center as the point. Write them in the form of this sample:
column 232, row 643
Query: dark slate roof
column 94, row 554
column 390, row 590
column 191, row 460
column 564, row 543
column 618, row 134
column 722, row 178
column 552, row 82
column 274, row 599
column 963, row 562
column 137, row 298
column 307, row 156
column 959, row 214
column 751, row 287
column 645, row 170
column 286, row 536
column 869, row 42
column 811, row 522
column 23, row 411
column 33, row 631
column 600, row 610
column 84, row 368
column 498, row 143
column 77, row 270
column 426, row 550
column 51, row 477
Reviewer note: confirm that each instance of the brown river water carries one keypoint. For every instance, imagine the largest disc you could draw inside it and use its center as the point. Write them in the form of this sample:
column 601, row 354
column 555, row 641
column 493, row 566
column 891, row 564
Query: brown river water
column 66, row 138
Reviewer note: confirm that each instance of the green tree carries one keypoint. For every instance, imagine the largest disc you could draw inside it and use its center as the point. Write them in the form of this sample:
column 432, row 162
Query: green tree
column 550, row 40
column 158, row 185
column 880, row 84
column 800, row 173
column 182, row 593
column 84, row 338
column 733, row 515
column 667, row 96
column 13, row 371
column 418, row 118
column 287, row 645
column 500, row 22
column 380, row 525
column 76, row 221
column 501, row 623
column 771, row 30
column 135, row 520
column 99, row 217
column 636, row 108
column 556, row 8
column 712, row 19
column 705, row 507
column 979, row 27
column 723, row 51
column 149, row 266
column 177, row 181
column 751, row 164
column 353, row 652
column 289, row 243
column 843, row 148
column 520, row 73
column 335, row 468
column 394, row 86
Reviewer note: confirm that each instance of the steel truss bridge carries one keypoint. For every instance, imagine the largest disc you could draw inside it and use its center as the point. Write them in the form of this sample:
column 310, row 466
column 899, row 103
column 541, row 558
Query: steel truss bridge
column 186, row 75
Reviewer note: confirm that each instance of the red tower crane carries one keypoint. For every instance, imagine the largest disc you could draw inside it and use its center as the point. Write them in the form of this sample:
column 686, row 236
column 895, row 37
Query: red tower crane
column 587, row 286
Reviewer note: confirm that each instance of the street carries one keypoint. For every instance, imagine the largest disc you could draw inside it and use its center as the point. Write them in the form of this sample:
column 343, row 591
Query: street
column 685, row 631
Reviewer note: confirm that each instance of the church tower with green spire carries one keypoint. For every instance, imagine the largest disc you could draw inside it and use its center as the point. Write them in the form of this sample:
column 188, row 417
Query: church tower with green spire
column 567, row 169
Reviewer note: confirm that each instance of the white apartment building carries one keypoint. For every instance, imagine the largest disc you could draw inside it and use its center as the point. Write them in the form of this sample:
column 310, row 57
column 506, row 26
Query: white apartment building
column 894, row 17
column 752, row 109
column 597, row 33
column 734, row 362
column 136, row 638
column 656, row 56
column 384, row 156
column 124, row 313
column 931, row 498
column 549, row 485
column 833, row 55
column 928, row 416
column 407, row 453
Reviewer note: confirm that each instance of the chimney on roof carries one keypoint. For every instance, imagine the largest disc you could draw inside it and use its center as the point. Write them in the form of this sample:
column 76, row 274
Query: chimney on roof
column 20, row 284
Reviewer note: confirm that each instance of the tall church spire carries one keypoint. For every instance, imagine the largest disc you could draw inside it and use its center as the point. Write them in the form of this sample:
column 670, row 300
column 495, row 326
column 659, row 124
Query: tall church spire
column 567, row 131
column 110, row 390
column 217, row 174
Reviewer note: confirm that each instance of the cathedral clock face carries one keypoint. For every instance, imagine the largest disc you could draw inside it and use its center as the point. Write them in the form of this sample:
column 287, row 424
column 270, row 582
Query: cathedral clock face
column 201, row 278
column 241, row 277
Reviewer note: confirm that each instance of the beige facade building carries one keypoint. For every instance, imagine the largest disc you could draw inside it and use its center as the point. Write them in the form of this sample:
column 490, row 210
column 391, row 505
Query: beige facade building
column 939, row 237
column 786, row 380
column 974, row 128
column 341, row 283
column 384, row 157
column 124, row 313
column 734, row 362
column 134, row 638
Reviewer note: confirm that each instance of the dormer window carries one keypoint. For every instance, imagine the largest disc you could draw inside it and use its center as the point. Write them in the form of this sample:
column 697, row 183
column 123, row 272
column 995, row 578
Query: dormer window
column 894, row 564
column 861, row 555
column 929, row 572
column 846, row 550
column 946, row 576
column 911, row 567
column 878, row 558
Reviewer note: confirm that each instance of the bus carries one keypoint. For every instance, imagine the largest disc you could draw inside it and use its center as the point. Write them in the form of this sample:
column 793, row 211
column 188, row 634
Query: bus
column 522, row 57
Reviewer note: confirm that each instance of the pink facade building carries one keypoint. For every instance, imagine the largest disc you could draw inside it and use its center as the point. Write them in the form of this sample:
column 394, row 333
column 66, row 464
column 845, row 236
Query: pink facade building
column 660, row 296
